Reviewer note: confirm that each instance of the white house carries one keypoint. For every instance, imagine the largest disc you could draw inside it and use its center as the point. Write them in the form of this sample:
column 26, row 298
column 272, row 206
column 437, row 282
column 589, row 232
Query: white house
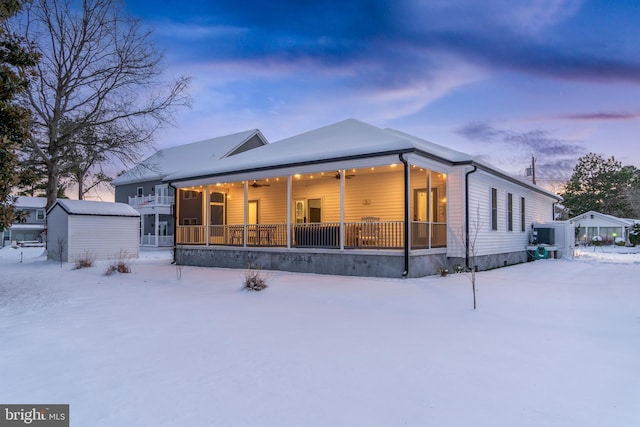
column 101, row 230
column 29, row 229
column 354, row 199
column 608, row 227
column 143, row 189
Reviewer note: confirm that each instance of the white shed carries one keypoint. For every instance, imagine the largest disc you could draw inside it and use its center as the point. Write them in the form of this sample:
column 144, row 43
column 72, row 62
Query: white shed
column 103, row 230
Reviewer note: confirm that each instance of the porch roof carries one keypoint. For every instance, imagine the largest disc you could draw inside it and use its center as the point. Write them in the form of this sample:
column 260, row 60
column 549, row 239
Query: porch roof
column 196, row 155
column 347, row 139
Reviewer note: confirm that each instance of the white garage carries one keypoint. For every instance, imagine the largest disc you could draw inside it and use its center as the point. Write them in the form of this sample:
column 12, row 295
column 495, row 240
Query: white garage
column 102, row 230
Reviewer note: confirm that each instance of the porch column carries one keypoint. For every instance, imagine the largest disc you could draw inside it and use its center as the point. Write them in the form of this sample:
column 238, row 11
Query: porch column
column 142, row 229
column 207, row 213
column 407, row 202
column 289, row 181
column 157, row 228
column 342, row 172
column 245, row 213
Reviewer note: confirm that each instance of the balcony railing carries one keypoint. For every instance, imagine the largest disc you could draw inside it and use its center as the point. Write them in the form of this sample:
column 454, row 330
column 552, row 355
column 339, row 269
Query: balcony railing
column 150, row 200
column 357, row 235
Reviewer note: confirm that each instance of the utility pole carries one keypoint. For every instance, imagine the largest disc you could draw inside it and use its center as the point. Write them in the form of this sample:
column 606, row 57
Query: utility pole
column 533, row 169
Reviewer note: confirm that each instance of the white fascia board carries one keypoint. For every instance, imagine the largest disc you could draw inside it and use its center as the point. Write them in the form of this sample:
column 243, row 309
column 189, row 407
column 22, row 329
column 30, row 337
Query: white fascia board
column 286, row 171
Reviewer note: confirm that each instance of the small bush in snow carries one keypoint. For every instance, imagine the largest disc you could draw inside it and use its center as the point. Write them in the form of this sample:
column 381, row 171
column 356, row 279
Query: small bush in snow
column 122, row 264
column 84, row 261
column 255, row 280
column 458, row 268
column 596, row 240
column 620, row 241
column 443, row 271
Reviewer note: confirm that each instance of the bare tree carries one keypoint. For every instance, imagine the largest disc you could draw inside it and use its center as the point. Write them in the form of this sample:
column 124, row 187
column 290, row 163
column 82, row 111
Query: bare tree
column 472, row 252
column 88, row 151
column 98, row 70
column 469, row 239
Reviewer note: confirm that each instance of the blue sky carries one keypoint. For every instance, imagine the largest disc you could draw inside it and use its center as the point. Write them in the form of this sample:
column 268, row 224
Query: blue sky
column 499, row 79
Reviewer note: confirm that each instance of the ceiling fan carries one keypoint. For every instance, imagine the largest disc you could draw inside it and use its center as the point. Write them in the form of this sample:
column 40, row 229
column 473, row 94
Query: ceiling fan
column 255, row 184
column 337, row 176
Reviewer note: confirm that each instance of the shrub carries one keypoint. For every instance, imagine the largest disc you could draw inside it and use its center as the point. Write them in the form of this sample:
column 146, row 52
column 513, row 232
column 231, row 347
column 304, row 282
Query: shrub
column 255, row 280
column 84, row 261
column 596, row 240
column 122, row 264
column 458, row 268
column 620, row 241
column 634, row 234
column 443, row 271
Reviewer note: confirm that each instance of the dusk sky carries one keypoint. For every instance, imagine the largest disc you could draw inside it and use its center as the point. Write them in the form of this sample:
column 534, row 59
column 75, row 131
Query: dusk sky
column 502, row 80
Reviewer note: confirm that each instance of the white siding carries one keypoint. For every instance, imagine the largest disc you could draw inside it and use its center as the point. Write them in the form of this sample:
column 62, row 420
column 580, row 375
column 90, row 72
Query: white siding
column 104, row 237
column 538, row 208
column 456, row 204
column 57, row 232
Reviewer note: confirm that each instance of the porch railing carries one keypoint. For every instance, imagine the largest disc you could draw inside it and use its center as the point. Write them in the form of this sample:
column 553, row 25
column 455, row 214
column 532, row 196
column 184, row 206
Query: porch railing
column 357, row 235
column 150, row 240
column 150, row 200
column 190, row 234
column 265, row 235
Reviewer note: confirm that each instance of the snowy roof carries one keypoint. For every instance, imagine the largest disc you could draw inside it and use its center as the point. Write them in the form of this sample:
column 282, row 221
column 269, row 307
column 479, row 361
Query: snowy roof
column 24, row 202
column 18, row 227
column 90, row 207
column 196, row 155
column 344, row 139
column 615, row 219
column 349, row 138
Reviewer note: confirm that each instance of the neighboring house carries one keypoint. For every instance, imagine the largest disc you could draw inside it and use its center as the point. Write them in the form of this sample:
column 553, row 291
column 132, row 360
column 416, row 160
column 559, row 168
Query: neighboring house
column 30, row 228
column 608, row 227
column 87, row 229
column 355, row 199
column 143, row 189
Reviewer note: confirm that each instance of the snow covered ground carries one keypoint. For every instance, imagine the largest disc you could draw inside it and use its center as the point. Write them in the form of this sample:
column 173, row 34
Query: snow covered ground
column 553, row 343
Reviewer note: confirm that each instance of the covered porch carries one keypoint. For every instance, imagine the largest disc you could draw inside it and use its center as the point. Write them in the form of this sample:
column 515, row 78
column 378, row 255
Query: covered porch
column 362, row 208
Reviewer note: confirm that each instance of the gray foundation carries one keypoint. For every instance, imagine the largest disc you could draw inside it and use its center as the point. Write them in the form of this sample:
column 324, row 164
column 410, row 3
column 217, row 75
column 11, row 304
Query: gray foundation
column 345, row 263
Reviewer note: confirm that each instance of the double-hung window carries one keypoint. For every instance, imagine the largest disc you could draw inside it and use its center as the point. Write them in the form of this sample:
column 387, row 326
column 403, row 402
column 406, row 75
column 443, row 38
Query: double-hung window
column 509, row 212
column 494, row 208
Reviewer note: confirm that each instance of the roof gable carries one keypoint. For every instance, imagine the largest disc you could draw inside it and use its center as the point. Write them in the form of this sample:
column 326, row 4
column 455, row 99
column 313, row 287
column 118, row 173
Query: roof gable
column 196, row 155
column 601, row 216
column 90, row 207
column 347, row 138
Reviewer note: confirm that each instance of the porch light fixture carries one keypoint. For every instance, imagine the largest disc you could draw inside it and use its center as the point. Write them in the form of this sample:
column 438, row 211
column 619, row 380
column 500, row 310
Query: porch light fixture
column 297, row 175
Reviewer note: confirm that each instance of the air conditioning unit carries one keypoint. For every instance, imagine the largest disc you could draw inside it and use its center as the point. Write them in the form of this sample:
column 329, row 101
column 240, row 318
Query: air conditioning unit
column 544, row 235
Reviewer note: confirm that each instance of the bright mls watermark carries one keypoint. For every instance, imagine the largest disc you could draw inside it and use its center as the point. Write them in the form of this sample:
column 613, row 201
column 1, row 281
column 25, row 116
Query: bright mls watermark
column 34, row 415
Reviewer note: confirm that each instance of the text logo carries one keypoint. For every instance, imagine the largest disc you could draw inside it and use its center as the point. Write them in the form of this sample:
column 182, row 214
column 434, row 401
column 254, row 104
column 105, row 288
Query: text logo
column 34, row 415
